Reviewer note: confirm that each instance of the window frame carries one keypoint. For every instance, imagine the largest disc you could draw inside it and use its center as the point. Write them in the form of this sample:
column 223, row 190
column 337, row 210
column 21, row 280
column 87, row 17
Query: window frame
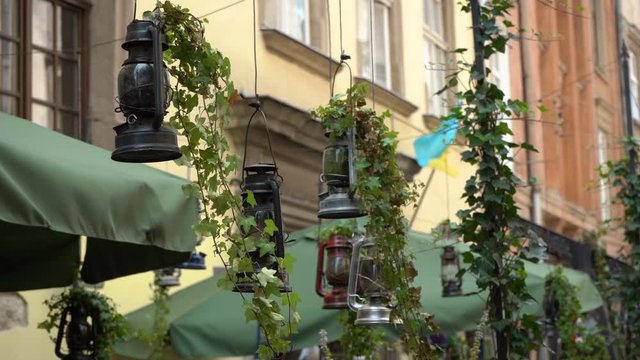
column 633, row 87
column 25, row 53
column 366, row 68
column 602, row 158
column 284, row 21
column 436, row 42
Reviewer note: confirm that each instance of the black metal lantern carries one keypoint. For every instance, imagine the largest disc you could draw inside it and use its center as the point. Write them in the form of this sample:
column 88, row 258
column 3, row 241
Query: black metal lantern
column 263, row 181
column 335, row 272
column 169, row 276
column 80, row 334
column 339, row 175
column 449, row 268
column 367, row 295
column 143, row 96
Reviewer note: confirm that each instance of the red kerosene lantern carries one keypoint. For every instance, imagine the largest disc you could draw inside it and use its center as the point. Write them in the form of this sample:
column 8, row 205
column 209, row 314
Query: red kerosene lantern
column 336, row 271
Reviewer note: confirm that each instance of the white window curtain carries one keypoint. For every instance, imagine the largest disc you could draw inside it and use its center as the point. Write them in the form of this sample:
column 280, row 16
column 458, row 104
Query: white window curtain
column 381, row 48
column 605, row 200
column 435, row 56
column 294, row 19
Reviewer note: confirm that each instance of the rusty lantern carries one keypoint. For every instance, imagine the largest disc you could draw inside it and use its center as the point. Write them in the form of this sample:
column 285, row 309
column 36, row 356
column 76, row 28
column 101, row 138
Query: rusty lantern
column 335, row 272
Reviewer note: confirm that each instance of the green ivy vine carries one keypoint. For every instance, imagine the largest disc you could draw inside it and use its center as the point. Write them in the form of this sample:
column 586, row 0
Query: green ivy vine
column 383, row 192
column 576, row 341
column 202, row 100
column 623, row 176
column 357, row 340
column 160, row 330
column 111, row 326
column 489, row 193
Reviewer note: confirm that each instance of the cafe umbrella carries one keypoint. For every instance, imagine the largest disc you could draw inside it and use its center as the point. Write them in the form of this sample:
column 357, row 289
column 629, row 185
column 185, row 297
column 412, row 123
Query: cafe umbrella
column 55, row 189
column 205, row 321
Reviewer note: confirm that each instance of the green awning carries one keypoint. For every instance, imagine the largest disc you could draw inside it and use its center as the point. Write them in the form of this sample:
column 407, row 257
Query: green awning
column 54, row 189
column 208, row 322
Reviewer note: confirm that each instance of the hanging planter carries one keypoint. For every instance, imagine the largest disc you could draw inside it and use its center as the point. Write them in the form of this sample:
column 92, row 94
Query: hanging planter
column 87, row 322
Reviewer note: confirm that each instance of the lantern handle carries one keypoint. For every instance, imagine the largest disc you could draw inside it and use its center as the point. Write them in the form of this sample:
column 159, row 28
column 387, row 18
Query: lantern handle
column 275, row 188
column 353, row 299
column 246, row 137
column 157, row 76
column 319, row 273
column 61, row 329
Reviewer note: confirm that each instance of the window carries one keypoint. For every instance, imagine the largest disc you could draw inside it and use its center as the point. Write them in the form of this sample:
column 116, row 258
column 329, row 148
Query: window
column 381, row 47
column 435, row 50
column 41, row 62
column 605, row 200
column 633, row 85
column 294, row 19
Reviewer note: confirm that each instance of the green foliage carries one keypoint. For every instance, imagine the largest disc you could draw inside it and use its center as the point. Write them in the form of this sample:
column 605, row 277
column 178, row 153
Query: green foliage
column 577, row 342
column 489, row 193
column 383, row 191
column 358, row 340
column 624, row 282
column 202, row 99
column 158, row 337
column 110, row 324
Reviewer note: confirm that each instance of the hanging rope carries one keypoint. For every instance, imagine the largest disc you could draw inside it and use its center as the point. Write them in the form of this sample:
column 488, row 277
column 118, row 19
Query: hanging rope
column 135, row 9
column 373, row 68
column 256, row 105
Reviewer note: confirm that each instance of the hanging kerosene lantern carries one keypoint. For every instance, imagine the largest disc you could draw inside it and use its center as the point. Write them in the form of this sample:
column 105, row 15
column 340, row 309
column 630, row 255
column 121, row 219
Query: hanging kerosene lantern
column 339, row 175
column 449, row 268
column 367, row 295
column 167, row 277
column 80, row 334
column 143, row 95
column 264, row 182
column 335, row 272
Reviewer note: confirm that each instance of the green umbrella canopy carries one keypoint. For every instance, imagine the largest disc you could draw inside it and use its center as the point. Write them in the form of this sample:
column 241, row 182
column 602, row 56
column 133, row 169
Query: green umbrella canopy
column 55, row 189
column 208, row 322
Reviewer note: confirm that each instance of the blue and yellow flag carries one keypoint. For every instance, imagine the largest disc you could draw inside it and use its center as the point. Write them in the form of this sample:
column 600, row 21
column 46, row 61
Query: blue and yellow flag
column 431, row 149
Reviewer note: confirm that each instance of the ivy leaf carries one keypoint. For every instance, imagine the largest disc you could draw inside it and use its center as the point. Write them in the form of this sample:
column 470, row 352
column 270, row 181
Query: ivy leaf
column 266, row 276
column 270, row 227
column 251, row 200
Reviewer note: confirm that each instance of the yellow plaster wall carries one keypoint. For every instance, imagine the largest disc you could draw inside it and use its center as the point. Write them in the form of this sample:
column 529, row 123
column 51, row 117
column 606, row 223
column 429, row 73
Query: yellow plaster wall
column 230, row 31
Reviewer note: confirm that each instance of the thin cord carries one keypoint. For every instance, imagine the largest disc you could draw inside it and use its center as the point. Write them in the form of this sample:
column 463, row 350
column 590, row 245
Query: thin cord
column 446, row 182
column 135, row 9
column 373, row 70
column 255, row 57
column 340, row 20
column 331, row 79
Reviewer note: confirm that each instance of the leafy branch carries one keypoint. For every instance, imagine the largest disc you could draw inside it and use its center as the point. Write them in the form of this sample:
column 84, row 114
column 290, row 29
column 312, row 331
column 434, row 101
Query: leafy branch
column 383, row 192
column 202, row 99
column 489, row 193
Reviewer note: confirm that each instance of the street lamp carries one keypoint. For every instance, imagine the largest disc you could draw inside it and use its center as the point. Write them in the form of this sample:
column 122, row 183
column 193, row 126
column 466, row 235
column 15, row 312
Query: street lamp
column 364, row 279
column 449, row 268
column 339, row 174
column 336, row 271
column 80, row 334
column 143, row 96
column 263, row 181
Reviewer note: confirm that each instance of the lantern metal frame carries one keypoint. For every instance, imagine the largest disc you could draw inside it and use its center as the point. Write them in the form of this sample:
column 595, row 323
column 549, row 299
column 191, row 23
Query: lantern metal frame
column 374, row 309
column 450, row 258
column 80, row 335
column 168, row 276
column 142, row 137
column 338, row 246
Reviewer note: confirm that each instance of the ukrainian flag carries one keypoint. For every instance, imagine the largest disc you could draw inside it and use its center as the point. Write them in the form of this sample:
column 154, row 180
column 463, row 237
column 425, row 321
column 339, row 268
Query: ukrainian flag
column 431, row 149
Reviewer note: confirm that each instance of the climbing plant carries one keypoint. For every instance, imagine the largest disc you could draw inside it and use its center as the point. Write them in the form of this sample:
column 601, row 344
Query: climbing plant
column 489, row 192
column 358, row 340
column 383, row 192
column 203, row 94
column 576, row 341
column 623, row 176
column 110, row 325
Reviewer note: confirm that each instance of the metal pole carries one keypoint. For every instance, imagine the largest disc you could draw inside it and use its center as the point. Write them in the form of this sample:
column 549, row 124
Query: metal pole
column 496, row 292
column 627, row 106
column 424, row 191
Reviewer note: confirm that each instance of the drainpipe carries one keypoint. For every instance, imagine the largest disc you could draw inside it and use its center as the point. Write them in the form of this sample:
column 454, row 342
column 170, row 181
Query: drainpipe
column 528, row 90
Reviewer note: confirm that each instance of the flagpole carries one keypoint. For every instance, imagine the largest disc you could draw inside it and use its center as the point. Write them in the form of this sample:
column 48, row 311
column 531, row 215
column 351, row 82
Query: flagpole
column 424, row 191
